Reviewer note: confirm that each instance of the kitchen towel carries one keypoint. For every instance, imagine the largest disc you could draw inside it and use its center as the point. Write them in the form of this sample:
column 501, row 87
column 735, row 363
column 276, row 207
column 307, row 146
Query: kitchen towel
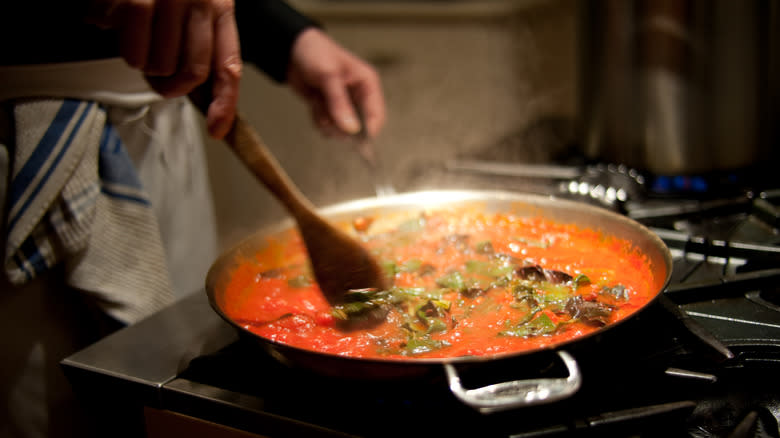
column 74, row 197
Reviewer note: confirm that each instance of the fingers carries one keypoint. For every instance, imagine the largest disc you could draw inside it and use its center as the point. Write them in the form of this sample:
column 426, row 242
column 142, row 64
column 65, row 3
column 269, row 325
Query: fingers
column 195, row 63
column 338, row 104
column 226, row 73
column 337, row 85
column 167, row 27
column 179, row 45
column 322, row 118
column 356, row 99
column 370, row 99
column 341, row 109
column 134, row 23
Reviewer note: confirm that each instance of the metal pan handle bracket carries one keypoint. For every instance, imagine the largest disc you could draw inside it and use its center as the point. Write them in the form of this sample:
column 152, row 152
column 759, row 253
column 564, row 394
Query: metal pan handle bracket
column 518, row 393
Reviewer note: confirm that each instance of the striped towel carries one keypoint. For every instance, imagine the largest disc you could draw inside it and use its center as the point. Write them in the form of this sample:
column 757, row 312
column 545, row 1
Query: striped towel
column 75, row 198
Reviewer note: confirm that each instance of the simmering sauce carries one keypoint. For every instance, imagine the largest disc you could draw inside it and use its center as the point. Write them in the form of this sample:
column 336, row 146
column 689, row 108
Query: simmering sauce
column 465, row 283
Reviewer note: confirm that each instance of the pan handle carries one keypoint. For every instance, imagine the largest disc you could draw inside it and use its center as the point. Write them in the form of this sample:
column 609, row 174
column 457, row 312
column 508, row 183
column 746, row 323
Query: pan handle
column 518, row 393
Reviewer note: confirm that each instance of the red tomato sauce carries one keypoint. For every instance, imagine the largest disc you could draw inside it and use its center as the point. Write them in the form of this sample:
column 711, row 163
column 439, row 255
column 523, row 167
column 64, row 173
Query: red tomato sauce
column 464, row 284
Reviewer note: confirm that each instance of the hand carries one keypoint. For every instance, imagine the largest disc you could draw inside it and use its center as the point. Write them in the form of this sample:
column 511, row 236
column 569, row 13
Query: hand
column 330, row 79
column 179, row 45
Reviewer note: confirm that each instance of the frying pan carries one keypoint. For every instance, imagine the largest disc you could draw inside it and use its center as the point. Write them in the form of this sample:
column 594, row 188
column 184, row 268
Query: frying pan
column 500, row 396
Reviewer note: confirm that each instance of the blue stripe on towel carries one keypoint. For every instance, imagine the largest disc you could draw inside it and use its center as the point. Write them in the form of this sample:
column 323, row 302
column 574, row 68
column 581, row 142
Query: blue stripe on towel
column 33, row 256
column 114, row 163
column 124, row 196
column 41, row 154
column 29, row 256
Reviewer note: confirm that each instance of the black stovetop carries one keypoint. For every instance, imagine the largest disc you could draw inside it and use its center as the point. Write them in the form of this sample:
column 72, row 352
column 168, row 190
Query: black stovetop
column 646, row 378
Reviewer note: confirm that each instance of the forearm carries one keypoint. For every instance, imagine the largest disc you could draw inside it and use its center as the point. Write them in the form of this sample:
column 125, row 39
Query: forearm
column 267, row 30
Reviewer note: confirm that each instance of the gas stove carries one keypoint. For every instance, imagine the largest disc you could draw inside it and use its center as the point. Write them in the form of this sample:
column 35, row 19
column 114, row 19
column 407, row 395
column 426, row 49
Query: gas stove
column 702, row 361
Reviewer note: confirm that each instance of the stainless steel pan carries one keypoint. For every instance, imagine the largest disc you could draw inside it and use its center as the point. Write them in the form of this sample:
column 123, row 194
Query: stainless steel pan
column 496, row 397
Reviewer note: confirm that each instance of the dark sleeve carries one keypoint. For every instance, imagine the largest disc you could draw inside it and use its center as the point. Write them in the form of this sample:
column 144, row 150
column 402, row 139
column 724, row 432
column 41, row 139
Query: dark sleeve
column 267, row 30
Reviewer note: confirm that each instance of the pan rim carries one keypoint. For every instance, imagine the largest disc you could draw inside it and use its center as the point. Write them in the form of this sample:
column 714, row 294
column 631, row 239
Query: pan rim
column 437, row 198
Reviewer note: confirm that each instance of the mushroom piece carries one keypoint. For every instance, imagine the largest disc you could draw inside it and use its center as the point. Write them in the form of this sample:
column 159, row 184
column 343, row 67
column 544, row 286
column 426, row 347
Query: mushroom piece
column 591, row 312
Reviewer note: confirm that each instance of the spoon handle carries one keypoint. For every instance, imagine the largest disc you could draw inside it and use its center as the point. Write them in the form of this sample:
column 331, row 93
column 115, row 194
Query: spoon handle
column 252, row 151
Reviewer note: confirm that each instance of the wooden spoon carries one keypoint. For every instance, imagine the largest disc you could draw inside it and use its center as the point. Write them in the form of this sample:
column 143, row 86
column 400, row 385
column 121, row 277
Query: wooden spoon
column 340, row 263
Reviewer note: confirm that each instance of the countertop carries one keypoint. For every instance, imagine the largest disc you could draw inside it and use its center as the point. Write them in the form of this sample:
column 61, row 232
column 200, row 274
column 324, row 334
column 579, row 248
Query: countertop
column 138, row 360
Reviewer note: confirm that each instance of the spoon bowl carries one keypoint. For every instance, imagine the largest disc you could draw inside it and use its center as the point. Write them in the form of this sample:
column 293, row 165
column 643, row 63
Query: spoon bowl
column 339, row 262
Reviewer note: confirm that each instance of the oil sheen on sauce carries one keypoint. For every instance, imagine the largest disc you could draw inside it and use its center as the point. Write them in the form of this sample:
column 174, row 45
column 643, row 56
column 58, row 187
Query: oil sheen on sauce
column 464, row 284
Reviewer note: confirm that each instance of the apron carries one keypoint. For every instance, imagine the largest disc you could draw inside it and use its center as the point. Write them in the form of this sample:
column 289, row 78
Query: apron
column 46, row 319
